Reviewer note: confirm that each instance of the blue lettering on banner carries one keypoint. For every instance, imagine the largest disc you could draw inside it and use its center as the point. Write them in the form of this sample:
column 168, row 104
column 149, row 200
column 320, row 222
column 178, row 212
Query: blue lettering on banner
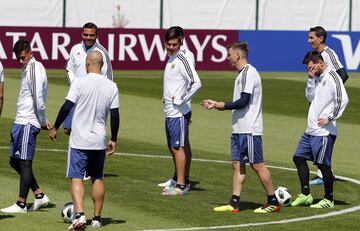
column 284, row 50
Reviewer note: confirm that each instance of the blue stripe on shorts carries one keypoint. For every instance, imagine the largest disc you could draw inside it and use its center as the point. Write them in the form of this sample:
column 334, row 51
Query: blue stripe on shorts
column 23, row 141
column 177, row 130
column 246, row 148
column 318, row 149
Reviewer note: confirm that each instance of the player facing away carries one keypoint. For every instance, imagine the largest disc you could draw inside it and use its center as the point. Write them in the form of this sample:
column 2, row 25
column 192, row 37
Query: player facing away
column 181, row 83
column 317, row 40
column 30, row 119
column 95, row 96
column 328, row 99
column 75, row 66
column 247, row 130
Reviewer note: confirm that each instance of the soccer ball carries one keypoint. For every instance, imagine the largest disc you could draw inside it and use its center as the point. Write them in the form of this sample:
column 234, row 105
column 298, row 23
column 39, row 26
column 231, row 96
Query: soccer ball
column 68, row 212
column 283, row 196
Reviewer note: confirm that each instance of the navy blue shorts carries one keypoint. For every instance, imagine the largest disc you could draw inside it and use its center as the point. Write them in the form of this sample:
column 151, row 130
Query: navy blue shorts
column 246, row 148
column 318, row 149
column 23, row 141
column 90, row 162
column 177, row 130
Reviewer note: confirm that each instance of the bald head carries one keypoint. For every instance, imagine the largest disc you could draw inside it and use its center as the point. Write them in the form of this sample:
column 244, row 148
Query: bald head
column 94, row 62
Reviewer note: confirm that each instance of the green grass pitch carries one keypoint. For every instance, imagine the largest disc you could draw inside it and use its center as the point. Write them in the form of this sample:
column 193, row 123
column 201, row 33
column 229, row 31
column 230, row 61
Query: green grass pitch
column 133, row 200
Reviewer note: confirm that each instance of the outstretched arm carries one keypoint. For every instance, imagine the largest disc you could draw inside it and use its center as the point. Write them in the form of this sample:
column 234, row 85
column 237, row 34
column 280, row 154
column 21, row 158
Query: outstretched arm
column 238, row 104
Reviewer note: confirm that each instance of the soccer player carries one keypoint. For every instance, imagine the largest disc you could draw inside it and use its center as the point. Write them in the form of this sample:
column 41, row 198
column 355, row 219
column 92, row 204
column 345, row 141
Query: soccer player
column 247, row 126
column 328, row 99
column 317, row 40
column 75, row 66
column 1, row 87
column 95, row 96
column 181, row 83
column 30, row 119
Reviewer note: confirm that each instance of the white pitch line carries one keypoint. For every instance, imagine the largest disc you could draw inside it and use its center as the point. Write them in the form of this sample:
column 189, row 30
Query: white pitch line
column 330, row 214
column 352, row 180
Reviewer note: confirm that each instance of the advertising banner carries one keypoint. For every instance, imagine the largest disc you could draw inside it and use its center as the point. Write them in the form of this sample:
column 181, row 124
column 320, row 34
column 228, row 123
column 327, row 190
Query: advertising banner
column 129, row 49
column 285, row 50
column 143, row 49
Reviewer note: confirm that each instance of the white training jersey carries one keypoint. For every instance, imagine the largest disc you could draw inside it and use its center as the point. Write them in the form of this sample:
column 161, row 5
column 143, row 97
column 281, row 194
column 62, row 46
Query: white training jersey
column 76, row 65
column 331, row 58
column 1, row 73
column 248, row 119
column 181, row 82
column 189, row 55
column 93, row 96
column 328, row 99
column 32, row 96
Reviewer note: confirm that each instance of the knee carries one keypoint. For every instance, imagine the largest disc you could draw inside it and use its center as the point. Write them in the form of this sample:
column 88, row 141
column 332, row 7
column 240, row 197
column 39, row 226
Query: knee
column 298, row 160
column 257, row 167
column 324, row 167
column 236, row 165
column 15, row 164
column 12, row 163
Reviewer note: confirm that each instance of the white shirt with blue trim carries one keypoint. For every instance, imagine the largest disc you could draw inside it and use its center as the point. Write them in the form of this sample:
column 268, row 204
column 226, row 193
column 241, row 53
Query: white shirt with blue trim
column 181, row 83
column 32, row 95
column 94, row 96
column 331, row 58
column 328, row 99
column 248, row 120
column 76, row 65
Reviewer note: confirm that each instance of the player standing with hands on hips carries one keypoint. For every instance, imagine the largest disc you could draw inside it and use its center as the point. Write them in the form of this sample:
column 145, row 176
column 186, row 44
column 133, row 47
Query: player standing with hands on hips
column 95, row 96
column 30, row 119
column 181, row 83
column 327, row 96
column 247, row 125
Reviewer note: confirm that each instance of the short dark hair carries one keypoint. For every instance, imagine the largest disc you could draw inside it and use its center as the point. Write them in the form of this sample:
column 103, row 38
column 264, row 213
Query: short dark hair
column 91, row 25
column 313, row 56
column 174, row 32
column 243, row 46
column 21, row 45
column 319, row 31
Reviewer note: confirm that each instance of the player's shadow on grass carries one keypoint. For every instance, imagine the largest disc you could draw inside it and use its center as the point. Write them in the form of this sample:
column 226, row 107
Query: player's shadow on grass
column 6, row 216
column 245, row 205
column 44, row 209
column 110, row 175
column 108, row 221
column 194, row 186
column 336, row 202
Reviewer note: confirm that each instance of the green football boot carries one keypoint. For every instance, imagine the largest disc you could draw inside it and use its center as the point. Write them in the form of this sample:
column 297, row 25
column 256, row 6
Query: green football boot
column 302, row 200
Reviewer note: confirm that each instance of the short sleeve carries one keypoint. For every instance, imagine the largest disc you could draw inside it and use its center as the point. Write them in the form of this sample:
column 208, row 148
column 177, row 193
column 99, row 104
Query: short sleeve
column 74, row 91
column 249, row 81
column 115, row 100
